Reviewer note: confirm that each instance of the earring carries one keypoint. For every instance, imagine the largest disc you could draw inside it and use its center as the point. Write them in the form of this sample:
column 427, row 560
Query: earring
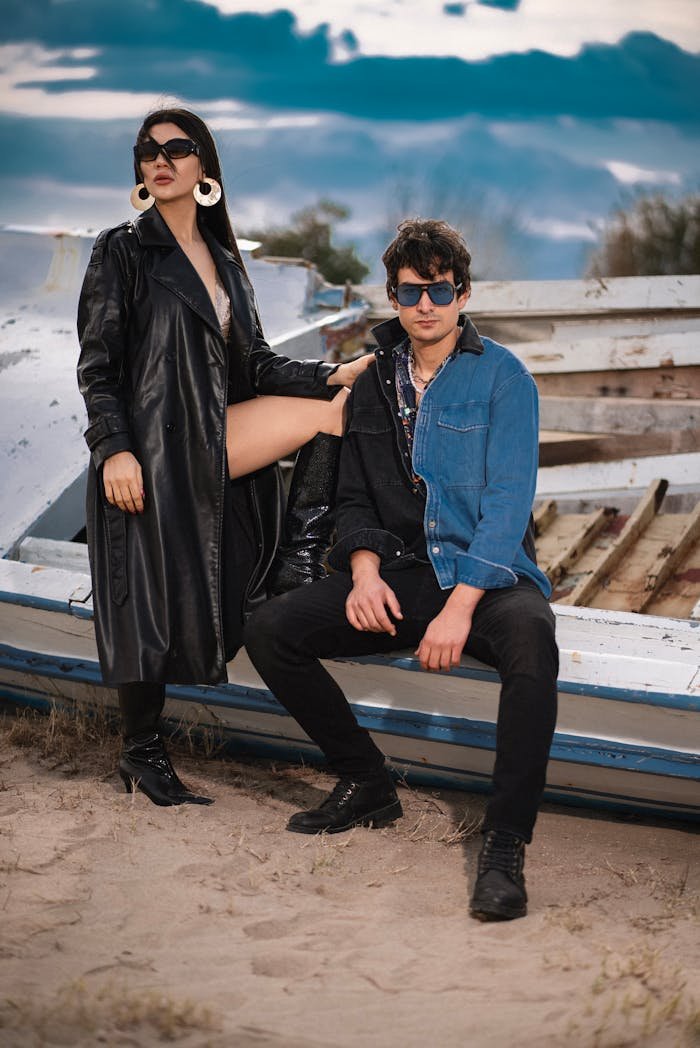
column 207, row 192
column 140, row 198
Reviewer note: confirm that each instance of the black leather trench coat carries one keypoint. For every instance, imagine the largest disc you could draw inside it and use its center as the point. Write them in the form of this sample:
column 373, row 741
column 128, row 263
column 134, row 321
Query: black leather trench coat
column 154, row 370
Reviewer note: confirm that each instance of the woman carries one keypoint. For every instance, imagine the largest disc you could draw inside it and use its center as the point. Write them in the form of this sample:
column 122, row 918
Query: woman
column 185, row 425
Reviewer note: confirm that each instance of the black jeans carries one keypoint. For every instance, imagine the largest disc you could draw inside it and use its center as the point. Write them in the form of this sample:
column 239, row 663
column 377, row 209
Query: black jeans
column 512, row 629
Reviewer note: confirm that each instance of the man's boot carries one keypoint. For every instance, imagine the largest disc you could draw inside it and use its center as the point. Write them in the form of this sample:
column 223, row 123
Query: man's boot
column 499, row 893
column 372, row 802
column 309, row 520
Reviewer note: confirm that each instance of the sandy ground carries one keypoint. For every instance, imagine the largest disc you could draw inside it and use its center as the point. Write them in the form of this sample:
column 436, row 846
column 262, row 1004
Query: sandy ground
column 127, row 924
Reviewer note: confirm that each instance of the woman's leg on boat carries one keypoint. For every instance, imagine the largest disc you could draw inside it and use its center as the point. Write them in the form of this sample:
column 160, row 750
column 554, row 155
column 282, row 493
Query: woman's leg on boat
column 263, row 430
column 144, row 763
column 270, row 428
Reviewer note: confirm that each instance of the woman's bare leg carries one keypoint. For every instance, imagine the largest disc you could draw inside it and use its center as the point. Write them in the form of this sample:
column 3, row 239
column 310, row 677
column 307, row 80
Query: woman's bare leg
column 266, row 429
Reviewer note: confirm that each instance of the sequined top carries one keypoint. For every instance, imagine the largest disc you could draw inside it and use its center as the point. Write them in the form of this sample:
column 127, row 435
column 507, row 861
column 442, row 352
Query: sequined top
column 222, row 305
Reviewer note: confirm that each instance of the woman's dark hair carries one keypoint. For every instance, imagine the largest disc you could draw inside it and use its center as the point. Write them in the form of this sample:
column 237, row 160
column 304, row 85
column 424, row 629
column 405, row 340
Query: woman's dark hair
column 215, row 218
column 429, row 247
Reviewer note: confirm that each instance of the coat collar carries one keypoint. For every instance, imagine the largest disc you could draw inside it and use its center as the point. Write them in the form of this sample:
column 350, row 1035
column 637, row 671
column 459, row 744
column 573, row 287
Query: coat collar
column 175, row 271
column 390, row 334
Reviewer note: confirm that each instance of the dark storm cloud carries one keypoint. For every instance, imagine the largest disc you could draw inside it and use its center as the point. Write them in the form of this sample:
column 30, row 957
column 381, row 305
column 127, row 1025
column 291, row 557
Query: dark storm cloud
column 187, row 48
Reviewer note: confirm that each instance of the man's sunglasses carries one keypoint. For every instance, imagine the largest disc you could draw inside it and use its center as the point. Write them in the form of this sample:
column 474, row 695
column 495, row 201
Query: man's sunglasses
column 440, row 294
column 175, row 149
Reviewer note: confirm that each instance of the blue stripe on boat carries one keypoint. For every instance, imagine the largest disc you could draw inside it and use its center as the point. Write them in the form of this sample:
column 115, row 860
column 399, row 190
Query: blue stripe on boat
column 458, row 731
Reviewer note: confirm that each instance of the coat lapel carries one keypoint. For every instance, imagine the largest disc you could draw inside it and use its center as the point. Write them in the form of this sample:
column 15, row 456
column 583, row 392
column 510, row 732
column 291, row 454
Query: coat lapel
column 238, row 289
column 174, row 270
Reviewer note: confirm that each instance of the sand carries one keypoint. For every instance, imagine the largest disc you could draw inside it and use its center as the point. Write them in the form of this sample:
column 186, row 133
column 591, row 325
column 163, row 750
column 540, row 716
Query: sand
column 127, row 924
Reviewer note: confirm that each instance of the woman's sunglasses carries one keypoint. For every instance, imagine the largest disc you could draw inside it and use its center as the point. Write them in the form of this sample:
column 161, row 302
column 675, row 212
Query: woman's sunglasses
column 175, row 149
column 440, row 294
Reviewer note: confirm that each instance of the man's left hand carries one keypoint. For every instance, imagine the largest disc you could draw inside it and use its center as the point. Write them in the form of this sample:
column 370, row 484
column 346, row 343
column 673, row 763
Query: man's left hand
column 443, row 642
column 346, row 374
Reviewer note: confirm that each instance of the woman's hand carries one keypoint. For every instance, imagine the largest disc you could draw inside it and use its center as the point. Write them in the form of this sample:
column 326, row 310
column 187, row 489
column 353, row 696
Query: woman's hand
column 346, row 374
column 123, row 482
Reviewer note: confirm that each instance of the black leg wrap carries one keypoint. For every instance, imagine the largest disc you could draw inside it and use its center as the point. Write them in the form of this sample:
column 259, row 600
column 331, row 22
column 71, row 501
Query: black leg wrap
column 310, row 516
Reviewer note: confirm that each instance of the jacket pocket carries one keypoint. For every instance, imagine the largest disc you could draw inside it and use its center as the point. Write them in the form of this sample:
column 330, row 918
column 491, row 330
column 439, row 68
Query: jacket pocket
column 115, row 533
column 462, row 432
column 369, row 420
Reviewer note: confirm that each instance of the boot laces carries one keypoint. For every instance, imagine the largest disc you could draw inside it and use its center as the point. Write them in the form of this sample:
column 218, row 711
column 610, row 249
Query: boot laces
column 502, row 851
column 342, row 792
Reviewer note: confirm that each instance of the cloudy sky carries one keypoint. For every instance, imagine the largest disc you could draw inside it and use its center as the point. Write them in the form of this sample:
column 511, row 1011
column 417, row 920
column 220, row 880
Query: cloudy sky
column 522, row 122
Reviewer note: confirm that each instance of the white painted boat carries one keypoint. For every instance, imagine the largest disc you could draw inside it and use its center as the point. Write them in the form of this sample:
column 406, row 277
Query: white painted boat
column 43, row 456
column 627, row 734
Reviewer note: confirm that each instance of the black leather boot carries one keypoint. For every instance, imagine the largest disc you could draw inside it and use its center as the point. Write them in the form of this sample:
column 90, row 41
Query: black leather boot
column 499, row 893
column 310, row 516
column 372, row 803
column 145, row 765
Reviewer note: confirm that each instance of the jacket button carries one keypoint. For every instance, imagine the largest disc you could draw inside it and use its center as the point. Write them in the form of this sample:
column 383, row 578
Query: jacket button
column 398, row 553
column 388, row 382
column 169, row 427
column 436, row 549
column 432, row 523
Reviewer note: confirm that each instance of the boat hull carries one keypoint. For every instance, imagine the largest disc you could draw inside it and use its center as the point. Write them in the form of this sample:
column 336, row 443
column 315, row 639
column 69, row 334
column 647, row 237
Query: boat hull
column 629, row 700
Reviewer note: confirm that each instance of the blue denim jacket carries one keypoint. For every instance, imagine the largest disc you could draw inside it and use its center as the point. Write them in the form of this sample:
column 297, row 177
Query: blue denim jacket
column 475, row 446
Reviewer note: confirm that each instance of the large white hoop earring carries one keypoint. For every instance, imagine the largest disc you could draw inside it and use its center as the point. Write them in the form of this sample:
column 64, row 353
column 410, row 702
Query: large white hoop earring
column 207, row 192
column 140, row 198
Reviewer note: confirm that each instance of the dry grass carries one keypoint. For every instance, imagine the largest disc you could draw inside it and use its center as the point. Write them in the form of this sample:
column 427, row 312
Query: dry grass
column 111, row 1015
column 65, row 738
column 638, row 998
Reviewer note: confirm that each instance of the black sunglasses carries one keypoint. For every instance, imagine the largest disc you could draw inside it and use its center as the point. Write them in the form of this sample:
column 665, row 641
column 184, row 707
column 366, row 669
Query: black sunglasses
column 440, row 294
column 175, row 149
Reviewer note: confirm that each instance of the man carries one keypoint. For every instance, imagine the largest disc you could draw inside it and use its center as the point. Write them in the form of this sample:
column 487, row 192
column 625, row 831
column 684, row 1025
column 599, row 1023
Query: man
column 435, row 549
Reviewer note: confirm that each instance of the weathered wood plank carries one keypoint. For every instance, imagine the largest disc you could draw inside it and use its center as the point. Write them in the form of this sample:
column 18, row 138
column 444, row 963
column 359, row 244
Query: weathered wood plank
column 583, row 414
column 669, row 559
column 543, row 516
column 643, row 514
column 595, row 353
column 581, row 541
column 677, row 383
column 556, row 450
column 616, row 294
column 53, row 553
column 621, row 474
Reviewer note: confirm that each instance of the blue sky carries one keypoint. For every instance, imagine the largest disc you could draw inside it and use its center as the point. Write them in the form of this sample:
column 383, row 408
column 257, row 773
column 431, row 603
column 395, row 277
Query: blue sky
column 520, row 121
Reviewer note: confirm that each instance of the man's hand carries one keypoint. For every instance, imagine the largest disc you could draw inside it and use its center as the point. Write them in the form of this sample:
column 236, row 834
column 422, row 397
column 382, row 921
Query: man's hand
column 346, row 374
column 123, row 482
column 443, row 642
column 370, row 596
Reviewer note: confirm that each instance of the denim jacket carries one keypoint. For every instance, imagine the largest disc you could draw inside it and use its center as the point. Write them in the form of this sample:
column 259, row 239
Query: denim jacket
column 475, row 446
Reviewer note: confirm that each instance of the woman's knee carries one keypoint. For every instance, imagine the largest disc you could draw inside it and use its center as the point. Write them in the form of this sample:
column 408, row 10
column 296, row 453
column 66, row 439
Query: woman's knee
column 336, row 409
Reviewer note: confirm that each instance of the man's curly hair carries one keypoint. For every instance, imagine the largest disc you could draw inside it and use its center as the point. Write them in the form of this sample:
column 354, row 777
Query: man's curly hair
column 430, row 247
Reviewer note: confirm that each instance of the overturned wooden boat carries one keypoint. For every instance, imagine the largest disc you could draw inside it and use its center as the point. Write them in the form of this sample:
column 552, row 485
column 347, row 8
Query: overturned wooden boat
column 628, row 731
column 626, row 573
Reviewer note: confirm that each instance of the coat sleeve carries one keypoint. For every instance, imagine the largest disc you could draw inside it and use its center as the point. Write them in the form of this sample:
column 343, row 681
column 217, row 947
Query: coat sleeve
column 511, row 479
column 102, row 321
column 357, row 522
column 275, row 375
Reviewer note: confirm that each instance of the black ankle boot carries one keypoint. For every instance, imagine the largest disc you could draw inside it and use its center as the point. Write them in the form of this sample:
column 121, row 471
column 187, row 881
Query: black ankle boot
column 499, row 893
column 373, row 803
column 145, row 765
column 309, row 519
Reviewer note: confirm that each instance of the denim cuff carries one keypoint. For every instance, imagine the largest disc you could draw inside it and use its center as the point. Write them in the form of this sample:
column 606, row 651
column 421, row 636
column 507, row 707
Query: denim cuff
column 387, row 546
column 474, row 571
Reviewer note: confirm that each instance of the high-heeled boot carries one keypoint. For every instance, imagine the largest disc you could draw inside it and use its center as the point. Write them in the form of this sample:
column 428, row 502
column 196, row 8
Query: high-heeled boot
column 144, row 765
column 309, row 519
